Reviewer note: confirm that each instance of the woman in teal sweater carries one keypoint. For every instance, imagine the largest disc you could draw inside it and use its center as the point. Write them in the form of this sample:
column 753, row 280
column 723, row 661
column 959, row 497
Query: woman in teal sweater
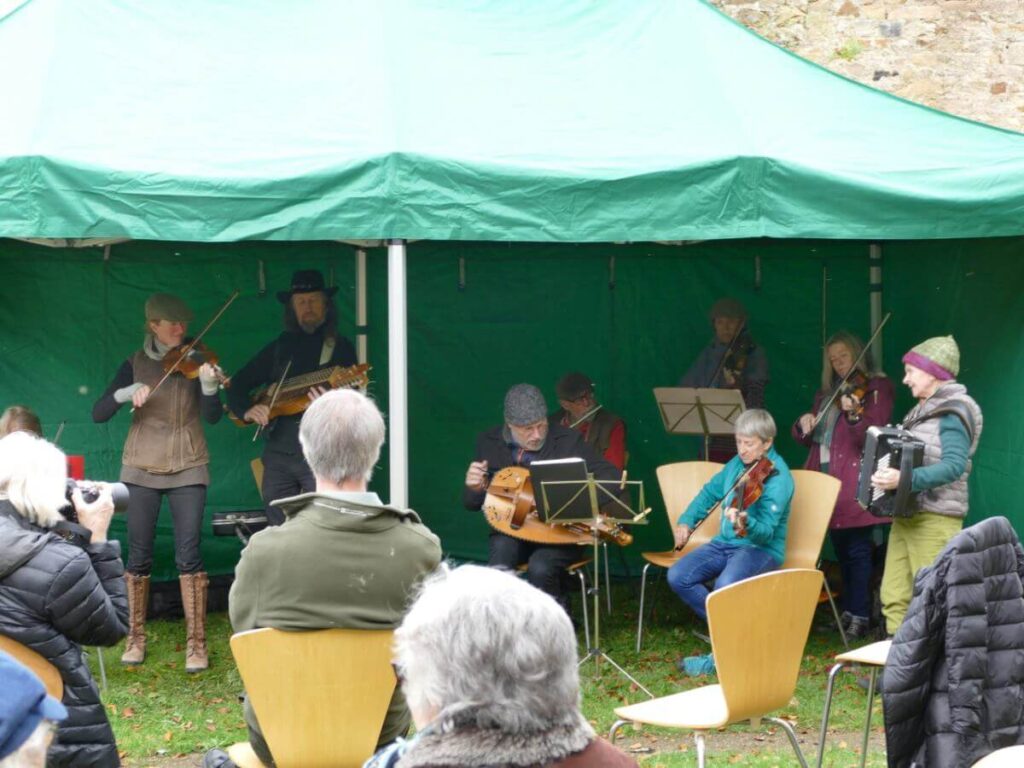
column 751, row 541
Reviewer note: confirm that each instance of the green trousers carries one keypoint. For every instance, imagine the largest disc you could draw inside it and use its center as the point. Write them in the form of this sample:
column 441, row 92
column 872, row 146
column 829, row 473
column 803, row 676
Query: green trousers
column 913, row 543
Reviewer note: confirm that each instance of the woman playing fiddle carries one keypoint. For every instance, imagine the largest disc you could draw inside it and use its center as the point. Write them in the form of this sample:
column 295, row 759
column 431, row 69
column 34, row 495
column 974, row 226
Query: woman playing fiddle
column 835, row 434
column 165, row 454
column 752, row 539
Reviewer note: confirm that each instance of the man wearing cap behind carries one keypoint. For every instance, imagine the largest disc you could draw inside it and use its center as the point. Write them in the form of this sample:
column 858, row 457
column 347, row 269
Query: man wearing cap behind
column 525, row 437
column 28, row 716
column 948, row 421
column 731, row 361
column 310, row 341
column 601, row 429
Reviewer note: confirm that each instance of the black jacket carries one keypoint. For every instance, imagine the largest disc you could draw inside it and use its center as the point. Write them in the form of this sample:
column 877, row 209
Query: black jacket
column 954, row 680
column 561, row 443
column 55, row 597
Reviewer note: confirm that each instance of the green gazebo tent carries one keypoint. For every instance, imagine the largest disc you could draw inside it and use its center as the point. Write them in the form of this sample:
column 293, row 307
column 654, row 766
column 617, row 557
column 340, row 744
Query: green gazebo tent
column 579, row 180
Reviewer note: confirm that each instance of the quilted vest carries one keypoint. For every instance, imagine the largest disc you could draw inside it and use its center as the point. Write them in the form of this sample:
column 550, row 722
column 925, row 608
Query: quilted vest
column 166, row 435
column 949, row 499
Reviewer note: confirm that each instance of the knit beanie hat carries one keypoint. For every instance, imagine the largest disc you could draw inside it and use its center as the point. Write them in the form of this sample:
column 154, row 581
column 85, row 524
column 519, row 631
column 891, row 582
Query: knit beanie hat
column 728, row 308
column 524, row 404
column 939, row 356
column 164, row 306
column 23, row 706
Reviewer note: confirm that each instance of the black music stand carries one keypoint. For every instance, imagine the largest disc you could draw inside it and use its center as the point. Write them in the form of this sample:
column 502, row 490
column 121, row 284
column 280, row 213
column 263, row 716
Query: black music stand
column 580, row 500
column 699, row 411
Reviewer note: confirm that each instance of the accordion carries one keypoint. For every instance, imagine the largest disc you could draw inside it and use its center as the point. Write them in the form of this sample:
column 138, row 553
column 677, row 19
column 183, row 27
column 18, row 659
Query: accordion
column 889, row 447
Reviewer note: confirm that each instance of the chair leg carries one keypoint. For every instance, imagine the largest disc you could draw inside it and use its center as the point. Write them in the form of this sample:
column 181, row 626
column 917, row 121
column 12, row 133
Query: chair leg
column 615, row 730
column 828, row 707
column 835, row 612
column 792, row 738
column 867, row 720
column 586, row 615
column 698, row 738
column 640, row 616
column 103, row 668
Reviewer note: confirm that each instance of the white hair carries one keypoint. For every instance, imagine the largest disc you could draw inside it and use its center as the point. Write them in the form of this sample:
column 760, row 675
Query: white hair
column 756, row 422
column 482, row 647
column 341, row 435
column 33, row 476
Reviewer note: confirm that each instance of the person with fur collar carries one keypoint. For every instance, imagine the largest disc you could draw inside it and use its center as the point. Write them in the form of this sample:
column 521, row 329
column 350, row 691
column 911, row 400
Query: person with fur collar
column 488, row 667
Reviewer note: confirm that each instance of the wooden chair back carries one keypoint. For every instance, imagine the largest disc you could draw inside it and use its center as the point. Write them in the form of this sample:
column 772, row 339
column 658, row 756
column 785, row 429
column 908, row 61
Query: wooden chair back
column 814, row 497
column 320, row 696
column 759, row 627
column 680, row 483
column 44, row 670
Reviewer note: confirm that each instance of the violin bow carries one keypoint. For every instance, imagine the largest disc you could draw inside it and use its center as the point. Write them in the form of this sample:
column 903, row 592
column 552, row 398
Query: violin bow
column 849, row 374
column 192, row 344
column 273, row 399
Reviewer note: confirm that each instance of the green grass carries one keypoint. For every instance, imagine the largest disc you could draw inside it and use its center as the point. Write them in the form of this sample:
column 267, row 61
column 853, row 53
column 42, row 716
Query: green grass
column 159, row 710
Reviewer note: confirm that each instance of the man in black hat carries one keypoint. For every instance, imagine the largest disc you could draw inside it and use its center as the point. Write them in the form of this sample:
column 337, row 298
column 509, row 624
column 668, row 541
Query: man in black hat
column 309, row 343
column 524, row 437
column 580, row 410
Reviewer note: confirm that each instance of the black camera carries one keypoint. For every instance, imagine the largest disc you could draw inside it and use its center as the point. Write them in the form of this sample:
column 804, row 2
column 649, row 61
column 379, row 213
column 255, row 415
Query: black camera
column 69, row 528
column 90, row 492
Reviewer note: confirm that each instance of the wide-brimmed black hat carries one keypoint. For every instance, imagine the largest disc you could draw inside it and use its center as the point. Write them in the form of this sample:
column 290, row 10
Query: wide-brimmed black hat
column 306, row 281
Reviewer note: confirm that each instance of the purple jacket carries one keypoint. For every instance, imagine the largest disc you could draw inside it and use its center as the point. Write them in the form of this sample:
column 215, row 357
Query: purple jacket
column 846, row 449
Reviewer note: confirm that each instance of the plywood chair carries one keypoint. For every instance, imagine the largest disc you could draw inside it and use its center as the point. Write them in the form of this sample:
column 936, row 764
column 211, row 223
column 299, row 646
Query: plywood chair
column 44, row 670
column 679, row 483
column 814, row 498
column 320, row 696
column 759, row 627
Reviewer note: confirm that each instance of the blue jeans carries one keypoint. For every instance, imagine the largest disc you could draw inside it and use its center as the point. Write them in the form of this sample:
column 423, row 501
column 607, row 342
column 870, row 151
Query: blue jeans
column 853, row 548
column 725, row 563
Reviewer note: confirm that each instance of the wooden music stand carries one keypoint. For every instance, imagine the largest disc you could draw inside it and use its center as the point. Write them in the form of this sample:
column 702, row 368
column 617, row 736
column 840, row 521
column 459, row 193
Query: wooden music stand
column 699, row 411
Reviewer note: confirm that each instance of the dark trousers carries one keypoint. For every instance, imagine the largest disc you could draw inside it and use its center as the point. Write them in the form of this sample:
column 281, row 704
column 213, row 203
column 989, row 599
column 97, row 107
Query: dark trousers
column 854, row 547
column 284, row 475
column 187, row 504
column 546, row 563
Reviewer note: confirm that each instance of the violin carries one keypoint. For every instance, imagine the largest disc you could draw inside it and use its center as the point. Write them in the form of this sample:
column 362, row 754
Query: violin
column 857, row 388
column 188, row 357
column 750, row 491
column 510, row 508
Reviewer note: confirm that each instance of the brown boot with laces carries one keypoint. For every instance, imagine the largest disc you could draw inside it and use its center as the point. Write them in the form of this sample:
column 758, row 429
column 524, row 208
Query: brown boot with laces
column 193, row 599
column 138, row 601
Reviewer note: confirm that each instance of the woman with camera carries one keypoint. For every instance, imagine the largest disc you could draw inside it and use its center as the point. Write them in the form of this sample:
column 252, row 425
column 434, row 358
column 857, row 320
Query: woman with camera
column 56, row 595
column 165, row 454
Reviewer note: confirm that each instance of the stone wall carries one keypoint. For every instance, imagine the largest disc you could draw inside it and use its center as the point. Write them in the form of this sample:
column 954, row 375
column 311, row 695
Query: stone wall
column 961, row 56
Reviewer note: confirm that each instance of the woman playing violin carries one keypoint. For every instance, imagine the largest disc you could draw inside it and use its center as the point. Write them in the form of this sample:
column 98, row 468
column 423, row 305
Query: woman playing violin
column 165, row 454
column 754, row 490
column 835, row 434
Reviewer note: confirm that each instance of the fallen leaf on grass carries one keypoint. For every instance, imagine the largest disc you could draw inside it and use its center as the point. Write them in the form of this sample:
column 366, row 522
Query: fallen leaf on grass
column 168, row 736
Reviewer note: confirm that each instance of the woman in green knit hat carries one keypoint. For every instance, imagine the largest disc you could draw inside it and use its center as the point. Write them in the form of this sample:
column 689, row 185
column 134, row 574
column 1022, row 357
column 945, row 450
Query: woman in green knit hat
column 948, row 421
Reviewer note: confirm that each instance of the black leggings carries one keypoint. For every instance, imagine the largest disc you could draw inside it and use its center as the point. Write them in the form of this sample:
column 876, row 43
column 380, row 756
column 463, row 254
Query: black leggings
column 187, row 504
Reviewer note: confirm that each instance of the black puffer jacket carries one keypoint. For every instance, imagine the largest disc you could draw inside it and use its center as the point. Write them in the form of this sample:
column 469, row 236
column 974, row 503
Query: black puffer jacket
column 53, row 597
column 954, row 680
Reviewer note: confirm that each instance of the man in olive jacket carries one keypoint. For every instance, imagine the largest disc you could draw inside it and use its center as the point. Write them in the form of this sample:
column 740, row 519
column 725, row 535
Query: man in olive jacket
column 341, row 558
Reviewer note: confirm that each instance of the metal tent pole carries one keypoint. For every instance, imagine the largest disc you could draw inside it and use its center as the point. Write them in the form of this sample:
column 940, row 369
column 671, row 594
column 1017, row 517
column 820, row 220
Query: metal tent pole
column 398, row 419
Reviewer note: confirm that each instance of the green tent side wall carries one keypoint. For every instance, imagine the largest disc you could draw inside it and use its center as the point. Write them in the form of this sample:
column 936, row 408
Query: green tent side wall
column 632, row 316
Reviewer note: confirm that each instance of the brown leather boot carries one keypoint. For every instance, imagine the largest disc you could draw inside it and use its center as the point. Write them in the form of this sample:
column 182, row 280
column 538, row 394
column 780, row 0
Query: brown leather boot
column 193, row 600
column 138, row 601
